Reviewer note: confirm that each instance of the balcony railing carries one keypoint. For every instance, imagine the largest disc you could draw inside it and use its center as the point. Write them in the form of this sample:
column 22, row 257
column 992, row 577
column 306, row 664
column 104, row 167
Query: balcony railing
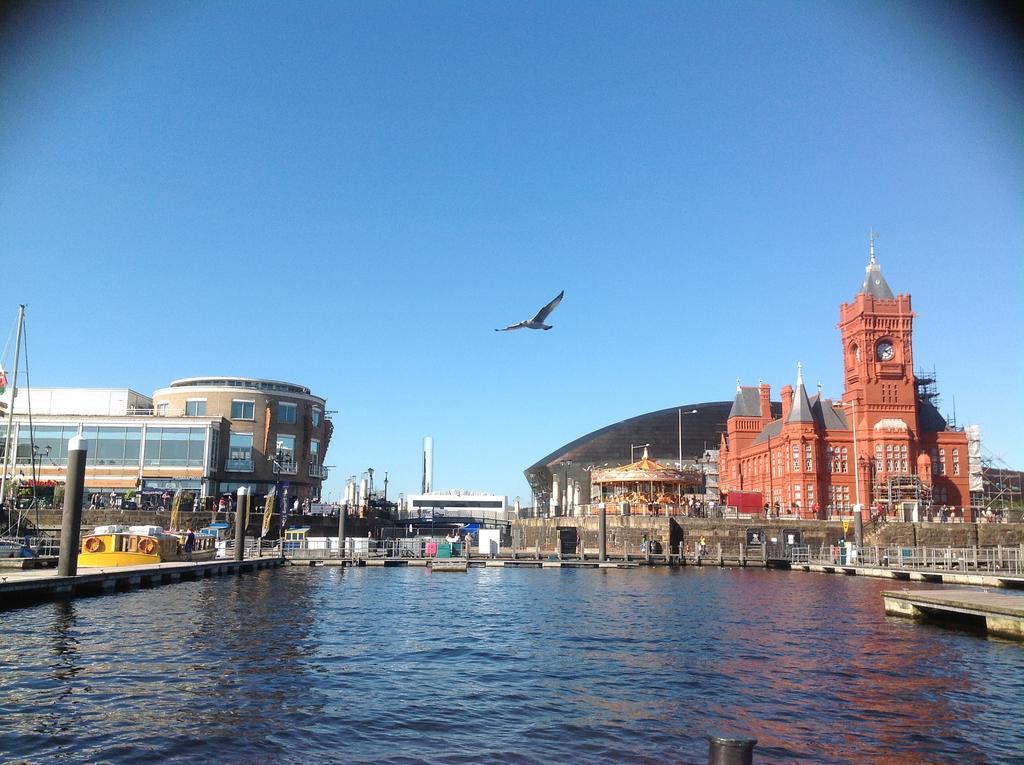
column 238, row 466
column 317, row 471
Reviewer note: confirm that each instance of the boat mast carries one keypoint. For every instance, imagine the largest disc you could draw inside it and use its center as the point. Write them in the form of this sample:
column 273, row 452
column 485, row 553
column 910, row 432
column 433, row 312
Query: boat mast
column 10, row 412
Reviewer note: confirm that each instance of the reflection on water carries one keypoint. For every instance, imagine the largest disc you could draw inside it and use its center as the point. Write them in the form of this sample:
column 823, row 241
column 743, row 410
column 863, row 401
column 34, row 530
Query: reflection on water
column 514, row 665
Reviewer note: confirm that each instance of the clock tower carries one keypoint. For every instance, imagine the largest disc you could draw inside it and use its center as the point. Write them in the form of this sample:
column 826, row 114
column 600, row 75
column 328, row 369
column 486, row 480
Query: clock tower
column 878, row 360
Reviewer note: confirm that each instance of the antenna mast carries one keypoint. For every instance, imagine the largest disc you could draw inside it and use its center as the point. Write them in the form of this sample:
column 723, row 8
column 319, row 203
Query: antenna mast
column 10, row 413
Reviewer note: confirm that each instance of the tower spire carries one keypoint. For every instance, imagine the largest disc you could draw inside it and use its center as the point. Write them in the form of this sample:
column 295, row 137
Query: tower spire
column 874, row 283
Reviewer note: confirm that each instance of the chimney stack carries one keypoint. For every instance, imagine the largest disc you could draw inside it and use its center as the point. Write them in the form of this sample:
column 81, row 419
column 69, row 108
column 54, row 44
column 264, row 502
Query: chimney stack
column 428, row 465
column 787, row 401
column 765, row 391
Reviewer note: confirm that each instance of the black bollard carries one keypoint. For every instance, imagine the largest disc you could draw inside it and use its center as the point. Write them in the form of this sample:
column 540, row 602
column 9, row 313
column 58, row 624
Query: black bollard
column 858, row 528
column 71, row 522
column 730, row 751
column 341, row 532
column 602, row 533
column 240, row 524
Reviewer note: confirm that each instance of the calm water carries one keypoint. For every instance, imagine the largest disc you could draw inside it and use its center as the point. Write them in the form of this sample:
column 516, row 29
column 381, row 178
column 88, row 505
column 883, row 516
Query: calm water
column 404, row 666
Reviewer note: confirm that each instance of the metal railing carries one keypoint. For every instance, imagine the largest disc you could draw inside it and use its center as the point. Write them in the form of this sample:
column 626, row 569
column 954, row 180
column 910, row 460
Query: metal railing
column 995, row 560
column 255, row 547
column 11, row 547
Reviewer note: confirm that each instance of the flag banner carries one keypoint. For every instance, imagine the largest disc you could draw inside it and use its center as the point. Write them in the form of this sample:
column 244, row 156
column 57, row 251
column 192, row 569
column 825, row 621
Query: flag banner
column 268, row 511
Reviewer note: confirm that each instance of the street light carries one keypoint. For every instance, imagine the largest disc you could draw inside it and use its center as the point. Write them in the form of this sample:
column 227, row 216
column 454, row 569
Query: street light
column 856, row 456
column 633, row 448
column 681, row 413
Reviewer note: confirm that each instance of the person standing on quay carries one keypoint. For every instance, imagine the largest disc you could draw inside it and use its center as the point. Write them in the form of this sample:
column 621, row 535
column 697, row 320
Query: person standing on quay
column 190, row 543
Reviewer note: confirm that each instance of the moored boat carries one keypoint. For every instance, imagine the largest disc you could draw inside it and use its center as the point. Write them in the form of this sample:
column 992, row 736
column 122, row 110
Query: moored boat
column 118, row 545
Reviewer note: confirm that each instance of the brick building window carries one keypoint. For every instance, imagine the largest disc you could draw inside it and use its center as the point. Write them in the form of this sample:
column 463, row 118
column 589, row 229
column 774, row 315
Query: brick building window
column 796, row 458
column 287, row 413
column 243, row 410
column 846, row 465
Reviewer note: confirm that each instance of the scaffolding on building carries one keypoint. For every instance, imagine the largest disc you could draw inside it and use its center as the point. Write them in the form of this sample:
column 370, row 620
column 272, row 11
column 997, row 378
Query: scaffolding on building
column 901, row 491
column 1002, row 486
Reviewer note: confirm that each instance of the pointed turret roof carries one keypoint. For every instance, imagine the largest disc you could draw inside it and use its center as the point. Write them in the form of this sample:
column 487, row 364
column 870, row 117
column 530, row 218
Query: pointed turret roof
column 874, row 283
column 801, row 411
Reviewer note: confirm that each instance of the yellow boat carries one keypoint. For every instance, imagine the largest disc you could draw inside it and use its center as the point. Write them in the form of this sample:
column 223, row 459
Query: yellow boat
column 118, row 545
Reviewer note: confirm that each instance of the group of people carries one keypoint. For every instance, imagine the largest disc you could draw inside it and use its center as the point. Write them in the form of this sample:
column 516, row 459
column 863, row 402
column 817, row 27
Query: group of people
column 453, row 538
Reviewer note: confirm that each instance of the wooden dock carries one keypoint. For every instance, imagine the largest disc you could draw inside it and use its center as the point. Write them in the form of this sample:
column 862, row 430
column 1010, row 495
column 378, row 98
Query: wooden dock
column 18, row 587
column 998, row 613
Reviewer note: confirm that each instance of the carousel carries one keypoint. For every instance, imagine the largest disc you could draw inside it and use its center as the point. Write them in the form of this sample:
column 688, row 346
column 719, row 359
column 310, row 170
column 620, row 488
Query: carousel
column 644, row 487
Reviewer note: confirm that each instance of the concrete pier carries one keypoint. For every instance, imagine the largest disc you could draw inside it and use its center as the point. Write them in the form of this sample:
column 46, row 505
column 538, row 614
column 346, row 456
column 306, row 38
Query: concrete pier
column 999, row 614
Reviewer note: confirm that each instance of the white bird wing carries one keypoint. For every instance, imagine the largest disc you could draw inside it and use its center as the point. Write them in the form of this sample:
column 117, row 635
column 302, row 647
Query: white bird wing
column 520, row 325
column 543, row 312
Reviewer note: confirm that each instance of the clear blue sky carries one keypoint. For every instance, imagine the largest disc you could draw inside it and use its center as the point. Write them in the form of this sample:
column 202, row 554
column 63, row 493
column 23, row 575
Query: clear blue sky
column 351, row 196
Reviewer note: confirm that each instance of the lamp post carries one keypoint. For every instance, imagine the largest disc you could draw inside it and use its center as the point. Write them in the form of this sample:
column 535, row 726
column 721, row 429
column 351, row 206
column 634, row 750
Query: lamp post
column 633, row 448
column 37, row 459
column 681, row 413
column 856, row 456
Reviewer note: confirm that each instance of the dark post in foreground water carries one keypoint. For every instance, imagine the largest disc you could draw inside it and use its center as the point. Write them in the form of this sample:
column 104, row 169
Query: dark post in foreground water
column 342, row 512
column 602, row 533
column 858, row 530
column 71, row 522
column 723, row 750
column 240, row 524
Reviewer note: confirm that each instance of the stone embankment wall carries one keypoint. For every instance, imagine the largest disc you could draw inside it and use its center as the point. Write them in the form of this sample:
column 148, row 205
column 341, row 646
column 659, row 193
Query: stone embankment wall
column 627, row 533
column 946, row 534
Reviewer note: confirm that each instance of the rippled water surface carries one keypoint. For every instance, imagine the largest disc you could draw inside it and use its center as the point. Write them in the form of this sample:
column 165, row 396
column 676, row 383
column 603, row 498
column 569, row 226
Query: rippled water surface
column 402, row 665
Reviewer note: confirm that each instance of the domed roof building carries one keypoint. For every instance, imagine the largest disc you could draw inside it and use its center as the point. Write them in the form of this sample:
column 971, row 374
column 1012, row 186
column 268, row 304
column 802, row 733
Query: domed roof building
column 697, row 428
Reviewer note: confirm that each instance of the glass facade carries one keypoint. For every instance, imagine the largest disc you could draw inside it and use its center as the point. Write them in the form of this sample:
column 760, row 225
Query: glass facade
column 113, row 445
column 55, row 437
column 175, row 447
column 240, row 453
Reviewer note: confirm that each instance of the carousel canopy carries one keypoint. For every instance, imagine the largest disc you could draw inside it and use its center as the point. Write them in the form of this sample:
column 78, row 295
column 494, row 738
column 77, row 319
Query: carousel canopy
column 645, row 469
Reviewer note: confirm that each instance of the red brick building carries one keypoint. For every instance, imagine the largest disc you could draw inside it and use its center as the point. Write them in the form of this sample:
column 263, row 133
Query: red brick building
column 899, row 452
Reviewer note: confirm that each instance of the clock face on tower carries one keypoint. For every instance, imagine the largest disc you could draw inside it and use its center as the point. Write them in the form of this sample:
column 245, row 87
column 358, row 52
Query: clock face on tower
column 884, row 351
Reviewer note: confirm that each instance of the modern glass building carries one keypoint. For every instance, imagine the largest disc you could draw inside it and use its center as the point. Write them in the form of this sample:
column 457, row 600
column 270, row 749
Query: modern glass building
column 207, row 435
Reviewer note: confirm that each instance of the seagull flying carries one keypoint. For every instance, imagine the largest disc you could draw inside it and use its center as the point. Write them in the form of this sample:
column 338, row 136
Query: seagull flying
column 537, row 322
